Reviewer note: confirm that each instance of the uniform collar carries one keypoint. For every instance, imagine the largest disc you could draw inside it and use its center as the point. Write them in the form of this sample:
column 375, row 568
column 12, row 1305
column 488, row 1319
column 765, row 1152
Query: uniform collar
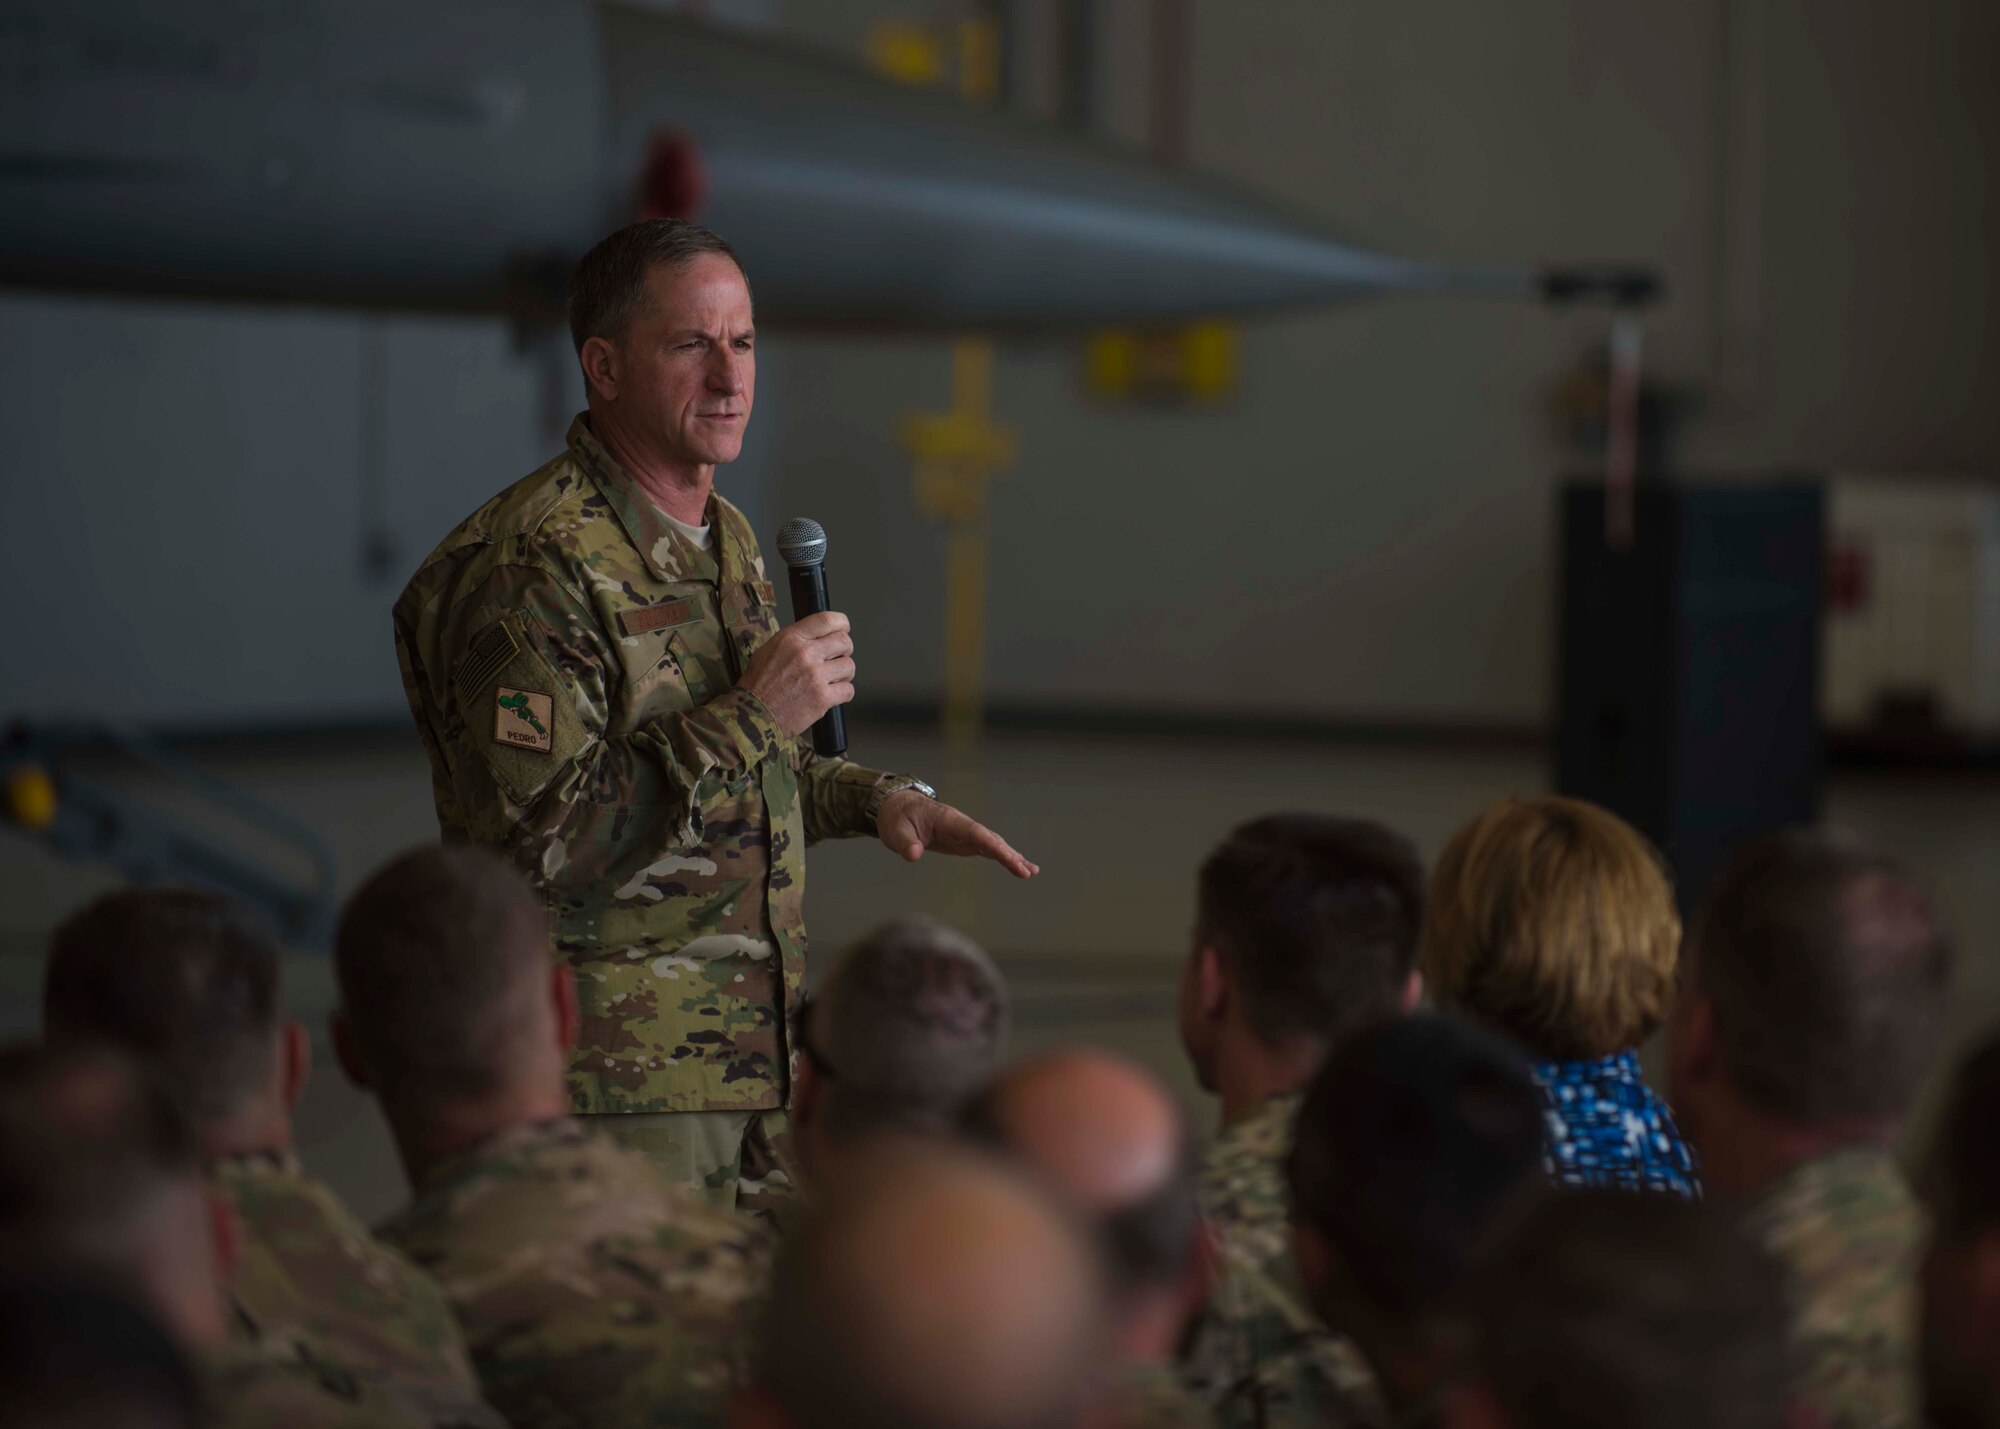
column 669, row 556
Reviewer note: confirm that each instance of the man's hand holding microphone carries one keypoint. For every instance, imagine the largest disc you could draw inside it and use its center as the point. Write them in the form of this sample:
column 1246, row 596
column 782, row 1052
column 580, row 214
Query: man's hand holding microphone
column 805, row 673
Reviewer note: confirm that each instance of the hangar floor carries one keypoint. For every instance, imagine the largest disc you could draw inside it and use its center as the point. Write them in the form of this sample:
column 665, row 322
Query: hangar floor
column 1092, row 947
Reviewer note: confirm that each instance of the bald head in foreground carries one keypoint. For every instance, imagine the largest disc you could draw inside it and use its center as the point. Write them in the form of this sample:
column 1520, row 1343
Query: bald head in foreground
column 1103, row 1135
column 930, row 1287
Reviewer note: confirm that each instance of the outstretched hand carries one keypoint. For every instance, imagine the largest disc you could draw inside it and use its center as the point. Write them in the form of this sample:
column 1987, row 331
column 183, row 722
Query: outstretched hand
column 910, row 823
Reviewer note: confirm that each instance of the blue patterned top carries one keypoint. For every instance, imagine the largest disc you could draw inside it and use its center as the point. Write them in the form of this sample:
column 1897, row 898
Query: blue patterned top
column 1607, row 1128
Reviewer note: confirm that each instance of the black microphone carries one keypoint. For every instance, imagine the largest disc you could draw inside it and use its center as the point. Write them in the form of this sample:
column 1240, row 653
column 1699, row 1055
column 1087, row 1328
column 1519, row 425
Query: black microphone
column 803, row 545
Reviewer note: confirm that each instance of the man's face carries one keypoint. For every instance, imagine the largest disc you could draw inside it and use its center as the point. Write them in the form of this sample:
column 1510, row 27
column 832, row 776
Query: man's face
column 687, row 363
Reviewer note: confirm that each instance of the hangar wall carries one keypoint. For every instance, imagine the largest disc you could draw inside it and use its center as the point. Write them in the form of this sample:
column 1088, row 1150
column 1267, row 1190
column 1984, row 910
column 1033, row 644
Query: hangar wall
column 1363, row 535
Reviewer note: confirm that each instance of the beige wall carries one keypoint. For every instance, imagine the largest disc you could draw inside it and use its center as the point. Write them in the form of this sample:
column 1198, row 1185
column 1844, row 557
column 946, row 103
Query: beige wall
column 1367, row 533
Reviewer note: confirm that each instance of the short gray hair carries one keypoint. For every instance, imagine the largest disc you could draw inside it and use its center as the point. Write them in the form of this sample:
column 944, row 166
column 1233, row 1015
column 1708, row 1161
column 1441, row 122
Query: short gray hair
column 609, row 283
column 908, row 1027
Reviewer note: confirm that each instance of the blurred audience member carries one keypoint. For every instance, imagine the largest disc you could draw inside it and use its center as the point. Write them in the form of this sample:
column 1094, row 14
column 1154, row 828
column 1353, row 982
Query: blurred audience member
column 1643, row 1312
column 930, row 1286
column 1815, row 998
column 1418, row 1148
column 100, row 1177
column 1961, row 1272
column 74, row 1355
column 908, row 1025
column 1305, row 928
column 1107, row 1138
column 184, row 982
column 592, row 1292
column 1553, row 920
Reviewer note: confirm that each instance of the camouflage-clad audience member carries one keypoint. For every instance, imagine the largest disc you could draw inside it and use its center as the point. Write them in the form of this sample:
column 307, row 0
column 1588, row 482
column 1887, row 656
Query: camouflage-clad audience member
column 99, row 1177
column 1418, row 1147
column 592, row 1291
column 1811, row 1013
column 930, row 1286
column 1644, row 1312
column 1107, row 1138
column 907, row 1026
column 1961, row 1272
column 186, row 983
column 1305, row 928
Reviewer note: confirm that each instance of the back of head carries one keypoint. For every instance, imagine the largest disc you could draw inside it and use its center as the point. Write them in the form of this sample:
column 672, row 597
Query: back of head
column 1648, row 1312
column 931, row 1287
column 1418, row 1143
column 1828, row 970
column 1109, row 1139
column 1963, row 1176
column 1317, row 919
column 910, row 1023
column 443, row 959
column 180, row 979
column 1553, row 920
column 75, row 1356
column 91, row 1150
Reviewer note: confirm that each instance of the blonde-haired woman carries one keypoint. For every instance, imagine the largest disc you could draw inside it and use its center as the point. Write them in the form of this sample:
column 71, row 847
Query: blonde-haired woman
column 1554, row 920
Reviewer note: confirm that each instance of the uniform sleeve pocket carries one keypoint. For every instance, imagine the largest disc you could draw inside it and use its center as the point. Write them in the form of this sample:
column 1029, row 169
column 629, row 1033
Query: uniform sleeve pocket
column 519, row 713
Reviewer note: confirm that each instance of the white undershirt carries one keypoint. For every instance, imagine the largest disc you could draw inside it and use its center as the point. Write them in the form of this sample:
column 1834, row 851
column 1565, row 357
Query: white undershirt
column 697, row 534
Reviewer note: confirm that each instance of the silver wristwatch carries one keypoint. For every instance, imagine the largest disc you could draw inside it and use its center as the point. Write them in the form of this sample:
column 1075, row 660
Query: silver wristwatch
column 896, row 784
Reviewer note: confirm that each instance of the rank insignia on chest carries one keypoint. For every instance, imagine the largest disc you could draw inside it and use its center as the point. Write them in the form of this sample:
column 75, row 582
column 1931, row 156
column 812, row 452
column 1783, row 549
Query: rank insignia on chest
column 522, row 718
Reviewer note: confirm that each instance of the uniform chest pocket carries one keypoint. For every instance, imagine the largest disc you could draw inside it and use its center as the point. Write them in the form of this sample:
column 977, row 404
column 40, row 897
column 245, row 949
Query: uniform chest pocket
column 659, row 650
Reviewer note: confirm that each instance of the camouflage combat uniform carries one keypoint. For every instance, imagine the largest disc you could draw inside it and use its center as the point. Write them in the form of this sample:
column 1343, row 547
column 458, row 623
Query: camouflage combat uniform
column 259, row 1386
column 1148, row 1395
column 311, row 1277
column 1850, row 1236
column 592, row 1291
column 1259, row 1355
column 572, row 662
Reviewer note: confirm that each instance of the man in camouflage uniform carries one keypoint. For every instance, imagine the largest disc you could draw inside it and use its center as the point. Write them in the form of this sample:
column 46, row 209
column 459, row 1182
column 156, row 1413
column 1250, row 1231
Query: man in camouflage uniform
column 1105, row 1137
column 187, row 984
column 593, row 1291
column 99, row 1180
column 1305, row 928
column 596, row 668
column 1418, row 1146
column 1820, row 975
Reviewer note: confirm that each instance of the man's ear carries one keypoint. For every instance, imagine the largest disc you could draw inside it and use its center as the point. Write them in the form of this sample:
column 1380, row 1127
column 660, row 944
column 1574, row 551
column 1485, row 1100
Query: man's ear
column 344, row 1052
column 1211, row 980
column 1413, row 992
column 296, row 1068
column 1694, row 1044
column 599, row 360
column 562, row 992
column 805, row 1093
column 225, row 1234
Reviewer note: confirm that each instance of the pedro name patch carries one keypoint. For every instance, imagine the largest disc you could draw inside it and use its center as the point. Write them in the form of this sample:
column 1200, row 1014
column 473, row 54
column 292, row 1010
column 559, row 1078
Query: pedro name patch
column 524, row 719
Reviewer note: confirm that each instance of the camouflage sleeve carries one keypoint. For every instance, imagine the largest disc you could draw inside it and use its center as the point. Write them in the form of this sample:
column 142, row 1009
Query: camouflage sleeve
column 539, row 672
column 834, row 795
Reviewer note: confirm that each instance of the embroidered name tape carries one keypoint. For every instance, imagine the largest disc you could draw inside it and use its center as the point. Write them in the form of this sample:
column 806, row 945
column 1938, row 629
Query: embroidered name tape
column 642, row 619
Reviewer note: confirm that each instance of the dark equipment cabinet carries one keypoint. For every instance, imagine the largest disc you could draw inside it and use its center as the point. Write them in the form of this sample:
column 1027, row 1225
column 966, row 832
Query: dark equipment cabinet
column 1689, row 664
